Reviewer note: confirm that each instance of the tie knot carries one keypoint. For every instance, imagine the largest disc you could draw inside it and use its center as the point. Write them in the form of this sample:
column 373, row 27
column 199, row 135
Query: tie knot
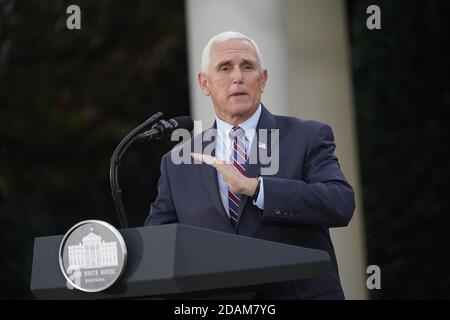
column 237, row 132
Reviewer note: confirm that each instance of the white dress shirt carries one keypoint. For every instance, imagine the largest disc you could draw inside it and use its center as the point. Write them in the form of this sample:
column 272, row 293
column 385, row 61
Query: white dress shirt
column 223, row 151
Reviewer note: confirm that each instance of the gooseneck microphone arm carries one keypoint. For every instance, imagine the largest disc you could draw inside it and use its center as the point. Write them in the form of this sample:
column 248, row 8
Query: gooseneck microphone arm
column 115, row 161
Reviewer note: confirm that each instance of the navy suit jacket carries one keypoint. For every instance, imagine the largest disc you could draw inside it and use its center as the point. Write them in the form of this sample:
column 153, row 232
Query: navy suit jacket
column 308, row 195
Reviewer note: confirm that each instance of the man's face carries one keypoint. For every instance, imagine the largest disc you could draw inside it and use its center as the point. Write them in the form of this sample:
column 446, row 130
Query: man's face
column 234, row 80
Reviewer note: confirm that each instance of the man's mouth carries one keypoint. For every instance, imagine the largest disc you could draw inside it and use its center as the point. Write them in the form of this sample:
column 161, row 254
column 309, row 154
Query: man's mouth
column 237, row 94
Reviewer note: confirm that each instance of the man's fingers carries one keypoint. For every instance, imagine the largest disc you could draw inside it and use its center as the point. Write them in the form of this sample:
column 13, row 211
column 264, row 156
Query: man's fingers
column 212, row 161
column 202, row 158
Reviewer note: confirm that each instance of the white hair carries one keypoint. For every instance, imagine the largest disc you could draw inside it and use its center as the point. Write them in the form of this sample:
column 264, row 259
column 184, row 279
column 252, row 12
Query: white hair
column 224, row 36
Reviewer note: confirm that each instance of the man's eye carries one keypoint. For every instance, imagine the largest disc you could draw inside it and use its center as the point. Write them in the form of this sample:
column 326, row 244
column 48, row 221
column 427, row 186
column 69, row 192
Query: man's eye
column 248, row 67
column 224, row 68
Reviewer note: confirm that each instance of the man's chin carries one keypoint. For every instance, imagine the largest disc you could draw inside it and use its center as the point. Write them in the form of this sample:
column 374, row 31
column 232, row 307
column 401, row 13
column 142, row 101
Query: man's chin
column 241, row 108
column 242, row 100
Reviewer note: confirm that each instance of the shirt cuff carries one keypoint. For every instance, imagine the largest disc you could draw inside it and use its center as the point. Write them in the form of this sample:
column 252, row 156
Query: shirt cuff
column 259, row 202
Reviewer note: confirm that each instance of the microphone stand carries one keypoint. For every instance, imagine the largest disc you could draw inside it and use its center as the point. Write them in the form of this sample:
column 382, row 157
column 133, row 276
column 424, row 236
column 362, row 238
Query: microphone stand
column 115, row 162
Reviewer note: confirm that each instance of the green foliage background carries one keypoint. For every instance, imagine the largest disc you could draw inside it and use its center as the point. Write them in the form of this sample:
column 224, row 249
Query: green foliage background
column 402, row 97
column 67, row 98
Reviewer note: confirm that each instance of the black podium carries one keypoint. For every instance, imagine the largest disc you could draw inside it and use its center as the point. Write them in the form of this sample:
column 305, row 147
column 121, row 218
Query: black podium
column 183, row 262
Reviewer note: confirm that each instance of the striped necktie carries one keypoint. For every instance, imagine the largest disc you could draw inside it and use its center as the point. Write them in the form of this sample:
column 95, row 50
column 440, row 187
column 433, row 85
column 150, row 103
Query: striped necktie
column 239, row 159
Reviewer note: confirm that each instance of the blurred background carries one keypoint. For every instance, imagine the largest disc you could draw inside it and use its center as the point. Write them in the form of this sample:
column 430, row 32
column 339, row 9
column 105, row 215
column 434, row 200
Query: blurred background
column 68, row 97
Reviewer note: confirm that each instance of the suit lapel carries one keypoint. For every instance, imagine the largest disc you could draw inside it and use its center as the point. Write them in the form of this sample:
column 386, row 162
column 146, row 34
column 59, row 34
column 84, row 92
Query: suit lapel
column 209, row 175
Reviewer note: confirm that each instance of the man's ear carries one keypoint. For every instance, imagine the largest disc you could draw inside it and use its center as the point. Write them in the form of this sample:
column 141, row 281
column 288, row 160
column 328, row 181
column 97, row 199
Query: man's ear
column 265, row 75
column 203, row 83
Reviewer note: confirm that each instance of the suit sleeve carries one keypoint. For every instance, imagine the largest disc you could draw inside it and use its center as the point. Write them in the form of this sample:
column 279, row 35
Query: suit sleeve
column 162, row 211
column 323, row 198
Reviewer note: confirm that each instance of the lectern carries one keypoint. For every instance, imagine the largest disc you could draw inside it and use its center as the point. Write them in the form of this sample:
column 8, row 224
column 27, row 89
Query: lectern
column 178, row 261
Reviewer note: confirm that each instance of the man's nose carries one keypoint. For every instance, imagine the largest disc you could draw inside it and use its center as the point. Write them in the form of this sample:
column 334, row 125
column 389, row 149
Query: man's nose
column 237, row 76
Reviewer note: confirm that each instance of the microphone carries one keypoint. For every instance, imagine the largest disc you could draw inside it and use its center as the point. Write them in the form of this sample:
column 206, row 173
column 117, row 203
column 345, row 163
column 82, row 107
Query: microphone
column 116, row 192
column 164, row 128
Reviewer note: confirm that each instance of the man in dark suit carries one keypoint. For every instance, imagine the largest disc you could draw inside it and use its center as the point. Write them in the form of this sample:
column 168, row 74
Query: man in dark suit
column 294, row 199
